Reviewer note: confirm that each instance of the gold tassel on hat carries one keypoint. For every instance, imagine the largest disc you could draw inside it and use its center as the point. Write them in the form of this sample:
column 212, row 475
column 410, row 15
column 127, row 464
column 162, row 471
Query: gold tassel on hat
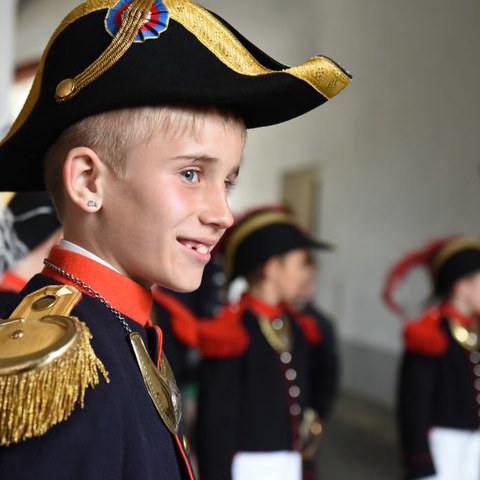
column 46, row 364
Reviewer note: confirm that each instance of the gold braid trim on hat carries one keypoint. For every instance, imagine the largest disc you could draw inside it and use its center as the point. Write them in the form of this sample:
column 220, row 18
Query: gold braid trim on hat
column 132, row 20
column 451, row 248
column 246, row 228
column 82, row 10
column 321, row 73
column 46, row 364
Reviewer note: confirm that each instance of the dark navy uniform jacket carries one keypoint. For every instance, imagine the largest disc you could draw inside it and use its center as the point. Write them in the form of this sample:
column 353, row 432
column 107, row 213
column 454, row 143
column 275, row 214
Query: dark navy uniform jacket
column 326, row 361
column 179, row 332
column 439, row 387
column 247, row 400
column 118, row 435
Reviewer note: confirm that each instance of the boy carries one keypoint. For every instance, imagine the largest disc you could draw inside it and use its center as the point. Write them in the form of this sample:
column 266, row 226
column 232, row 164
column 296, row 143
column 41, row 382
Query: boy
column 136, row 120
column 29, row 229
column 439, row 395
column 257, row 391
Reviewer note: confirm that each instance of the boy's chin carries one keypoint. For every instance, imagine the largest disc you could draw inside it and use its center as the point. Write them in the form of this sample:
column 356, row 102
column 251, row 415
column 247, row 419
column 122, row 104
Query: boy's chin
column 184, row 286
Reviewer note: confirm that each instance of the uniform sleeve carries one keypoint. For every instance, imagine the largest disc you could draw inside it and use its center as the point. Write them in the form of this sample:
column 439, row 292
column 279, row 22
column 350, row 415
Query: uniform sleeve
column 416, row 397
column 72, row 449
column 325, row 366
column 218, row 407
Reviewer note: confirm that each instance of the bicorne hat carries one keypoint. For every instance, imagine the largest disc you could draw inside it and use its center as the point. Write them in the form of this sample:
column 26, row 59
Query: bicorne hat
column 446, row 260
column 113, row 54
column 261, row 234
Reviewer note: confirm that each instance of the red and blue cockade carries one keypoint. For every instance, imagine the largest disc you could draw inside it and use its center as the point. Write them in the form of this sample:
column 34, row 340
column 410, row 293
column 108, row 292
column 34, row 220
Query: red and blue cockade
column 154, row 25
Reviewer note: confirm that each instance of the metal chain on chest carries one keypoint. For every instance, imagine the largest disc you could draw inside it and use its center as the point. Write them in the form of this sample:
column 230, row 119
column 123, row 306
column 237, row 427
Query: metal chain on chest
column 90, row 291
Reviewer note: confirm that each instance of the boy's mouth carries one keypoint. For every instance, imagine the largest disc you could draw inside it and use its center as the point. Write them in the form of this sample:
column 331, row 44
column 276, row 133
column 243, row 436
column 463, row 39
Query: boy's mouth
column 201, row 248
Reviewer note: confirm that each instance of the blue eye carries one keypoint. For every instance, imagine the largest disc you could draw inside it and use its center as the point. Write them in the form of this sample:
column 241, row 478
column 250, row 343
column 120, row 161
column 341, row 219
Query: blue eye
column 190, row 176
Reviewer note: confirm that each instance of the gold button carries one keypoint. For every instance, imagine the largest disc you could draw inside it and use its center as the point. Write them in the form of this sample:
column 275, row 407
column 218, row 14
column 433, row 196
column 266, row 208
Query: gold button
column 44, row 302
column 64, row 89
column 186, row 444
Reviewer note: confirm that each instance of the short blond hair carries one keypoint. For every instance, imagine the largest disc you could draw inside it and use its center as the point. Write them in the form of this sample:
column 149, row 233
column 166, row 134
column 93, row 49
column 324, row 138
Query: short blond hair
column 112, row 135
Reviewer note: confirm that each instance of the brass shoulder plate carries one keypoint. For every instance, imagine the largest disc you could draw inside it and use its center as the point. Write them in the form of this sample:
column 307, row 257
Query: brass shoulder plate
column 46, row 363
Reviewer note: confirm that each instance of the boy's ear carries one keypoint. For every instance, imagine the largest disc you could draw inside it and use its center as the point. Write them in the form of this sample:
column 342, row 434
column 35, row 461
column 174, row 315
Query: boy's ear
column 84, row 176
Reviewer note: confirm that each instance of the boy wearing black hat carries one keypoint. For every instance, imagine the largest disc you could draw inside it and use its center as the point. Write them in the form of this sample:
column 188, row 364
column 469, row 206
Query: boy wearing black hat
column 29, row 228
column 439, row 394
column 257, row 409
column 136, row 122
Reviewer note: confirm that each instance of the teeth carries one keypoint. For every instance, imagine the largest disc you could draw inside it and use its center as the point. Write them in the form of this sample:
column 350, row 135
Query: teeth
column 203, row 249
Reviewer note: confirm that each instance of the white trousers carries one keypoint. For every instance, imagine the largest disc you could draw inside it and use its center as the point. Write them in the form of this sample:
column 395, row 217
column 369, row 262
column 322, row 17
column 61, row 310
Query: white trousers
column 456, row 453
column 284, row 465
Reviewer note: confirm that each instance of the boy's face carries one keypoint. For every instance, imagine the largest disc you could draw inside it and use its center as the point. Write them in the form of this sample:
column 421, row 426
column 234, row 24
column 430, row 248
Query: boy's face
column 162, row 220
column 307, row 289
column 467, row 291
column 291, row 275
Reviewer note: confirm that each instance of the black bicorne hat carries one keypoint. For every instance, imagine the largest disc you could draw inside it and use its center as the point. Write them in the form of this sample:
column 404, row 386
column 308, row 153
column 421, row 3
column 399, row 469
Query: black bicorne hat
column 113, row 54
column 261, row 235
column 25, row 222
column 457, row 259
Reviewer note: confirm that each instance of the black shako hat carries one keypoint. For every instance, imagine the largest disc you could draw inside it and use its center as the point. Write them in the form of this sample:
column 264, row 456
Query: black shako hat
column 458, row 258
column 27, row 219
column 114, row 54
column 261, row 235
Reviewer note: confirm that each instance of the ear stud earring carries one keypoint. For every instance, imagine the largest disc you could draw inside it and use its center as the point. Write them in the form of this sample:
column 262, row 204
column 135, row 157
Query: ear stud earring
column 92, row 203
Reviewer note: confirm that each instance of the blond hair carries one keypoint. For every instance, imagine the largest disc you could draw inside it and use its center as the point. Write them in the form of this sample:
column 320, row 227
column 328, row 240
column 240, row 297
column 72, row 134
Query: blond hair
column 112, row 135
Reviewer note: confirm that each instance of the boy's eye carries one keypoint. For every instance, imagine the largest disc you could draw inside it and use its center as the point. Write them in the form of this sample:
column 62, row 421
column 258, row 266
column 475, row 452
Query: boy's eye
column 229, row 184
column 190, row 175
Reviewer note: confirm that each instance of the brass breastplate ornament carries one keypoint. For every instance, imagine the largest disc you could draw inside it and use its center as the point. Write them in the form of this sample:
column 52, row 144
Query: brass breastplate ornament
column 468, row 338
column 277, row 333
column 160, row 383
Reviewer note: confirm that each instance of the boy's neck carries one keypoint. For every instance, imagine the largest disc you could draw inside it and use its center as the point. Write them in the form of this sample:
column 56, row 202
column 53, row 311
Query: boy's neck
column 266, row 292
column 461, row 306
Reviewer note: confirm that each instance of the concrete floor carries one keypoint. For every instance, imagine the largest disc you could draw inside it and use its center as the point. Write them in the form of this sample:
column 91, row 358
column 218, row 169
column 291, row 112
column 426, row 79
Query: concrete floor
column 359, row 443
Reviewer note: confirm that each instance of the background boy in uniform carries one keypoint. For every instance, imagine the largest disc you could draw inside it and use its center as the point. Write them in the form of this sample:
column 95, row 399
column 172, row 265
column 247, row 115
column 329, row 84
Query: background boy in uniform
column 29, row 228
column 439, row 384
column 257, row 400
column 136, row 122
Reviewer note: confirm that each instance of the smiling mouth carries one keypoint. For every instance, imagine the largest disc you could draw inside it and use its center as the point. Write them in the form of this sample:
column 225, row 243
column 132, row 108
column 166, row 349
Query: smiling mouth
column 198, row 247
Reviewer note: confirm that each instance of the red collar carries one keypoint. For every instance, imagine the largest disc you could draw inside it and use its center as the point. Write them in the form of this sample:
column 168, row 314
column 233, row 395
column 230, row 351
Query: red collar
column 259, row 307
column 12, row 282
column 125, row 295
column 452, row 313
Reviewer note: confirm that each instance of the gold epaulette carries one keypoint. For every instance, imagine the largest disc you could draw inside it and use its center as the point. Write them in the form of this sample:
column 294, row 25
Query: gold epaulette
column 46, row 363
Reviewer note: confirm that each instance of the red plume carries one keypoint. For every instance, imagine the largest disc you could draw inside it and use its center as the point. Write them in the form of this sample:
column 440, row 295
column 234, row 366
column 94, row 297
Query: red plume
column 399, row 270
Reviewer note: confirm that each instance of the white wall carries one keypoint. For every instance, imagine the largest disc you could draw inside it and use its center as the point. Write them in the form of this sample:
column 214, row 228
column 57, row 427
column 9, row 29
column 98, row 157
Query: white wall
column 398, row 149
column 7, row 23
column 36, row 21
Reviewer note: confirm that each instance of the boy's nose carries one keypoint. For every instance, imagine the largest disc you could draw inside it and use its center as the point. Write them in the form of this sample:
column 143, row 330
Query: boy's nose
column 217, row 212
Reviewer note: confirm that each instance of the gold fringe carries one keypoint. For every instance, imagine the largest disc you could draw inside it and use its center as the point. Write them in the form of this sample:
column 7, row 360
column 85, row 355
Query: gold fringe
column 31, row 402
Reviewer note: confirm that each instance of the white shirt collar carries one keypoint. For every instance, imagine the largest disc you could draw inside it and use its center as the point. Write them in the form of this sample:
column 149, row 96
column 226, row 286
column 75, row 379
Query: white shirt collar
column 80, row 250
